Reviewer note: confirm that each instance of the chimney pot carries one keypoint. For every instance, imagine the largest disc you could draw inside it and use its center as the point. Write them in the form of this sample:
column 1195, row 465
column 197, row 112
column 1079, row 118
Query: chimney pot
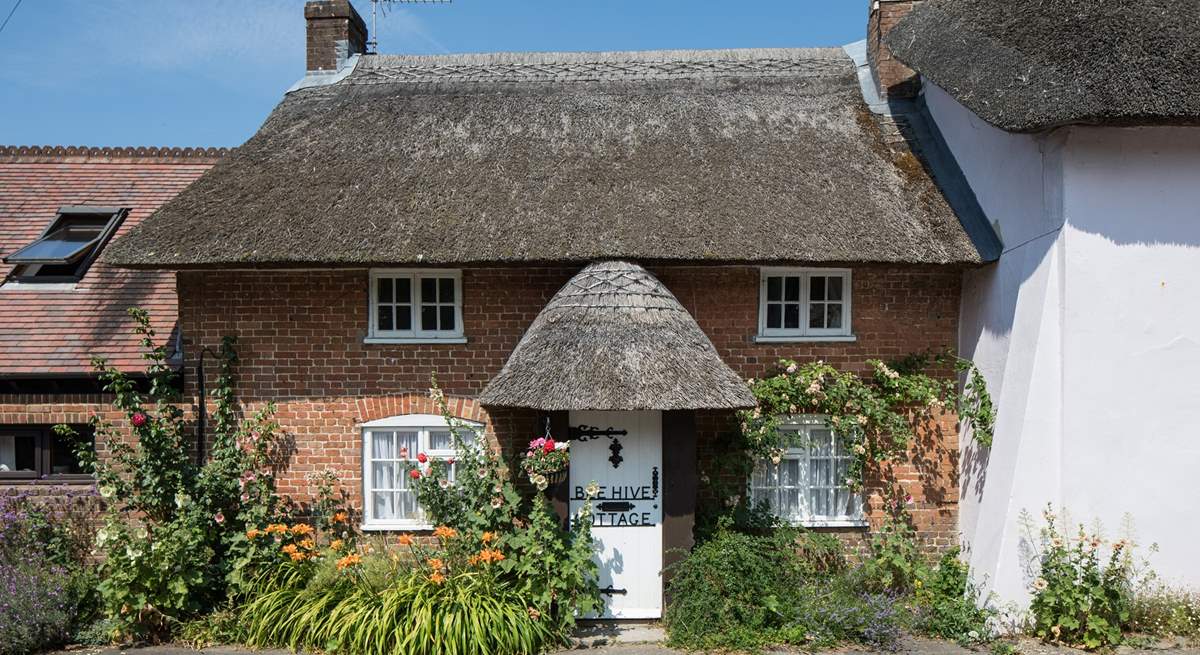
column 894, row 79
column 335, row 32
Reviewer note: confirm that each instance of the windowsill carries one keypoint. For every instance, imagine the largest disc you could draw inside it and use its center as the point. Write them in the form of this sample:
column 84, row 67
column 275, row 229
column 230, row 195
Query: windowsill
column 76, row 482
column 833, row 523
column 60, row 287
column 844, row 338
column 414, row 340
column 395, row 526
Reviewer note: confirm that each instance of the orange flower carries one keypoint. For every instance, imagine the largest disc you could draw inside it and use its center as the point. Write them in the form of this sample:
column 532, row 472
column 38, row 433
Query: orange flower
column 337, row 544
column 348, row 561
column 405, row 540
column 473, row 560
column 298, row 557
column 290, row 549
column 276, row 528
column 443, row 532
column 252, row 533
column 490, row 555
column 340, row 517
column 436, row 563
column 437, row 578
column 488, row 537
column 302, row 528
column 308, row 544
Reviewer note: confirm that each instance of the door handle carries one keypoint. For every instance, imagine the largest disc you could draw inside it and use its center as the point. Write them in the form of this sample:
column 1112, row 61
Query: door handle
column 609, row 591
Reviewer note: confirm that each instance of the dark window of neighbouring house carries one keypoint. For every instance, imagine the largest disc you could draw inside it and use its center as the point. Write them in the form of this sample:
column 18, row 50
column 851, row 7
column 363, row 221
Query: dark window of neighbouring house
column 37, row 452
column 68, row 246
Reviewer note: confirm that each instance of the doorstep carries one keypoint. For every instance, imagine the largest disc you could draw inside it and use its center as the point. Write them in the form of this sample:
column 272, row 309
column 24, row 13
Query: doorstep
column 593, row 633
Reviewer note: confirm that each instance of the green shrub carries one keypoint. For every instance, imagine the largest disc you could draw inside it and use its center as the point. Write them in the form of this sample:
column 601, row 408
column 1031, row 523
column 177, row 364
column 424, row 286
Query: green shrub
column 1164, row 611
column 948, row 604
column 733, row 591
column 1080, row 599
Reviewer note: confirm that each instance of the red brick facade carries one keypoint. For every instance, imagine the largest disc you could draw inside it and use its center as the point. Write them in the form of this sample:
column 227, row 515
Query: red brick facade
column 300, row 340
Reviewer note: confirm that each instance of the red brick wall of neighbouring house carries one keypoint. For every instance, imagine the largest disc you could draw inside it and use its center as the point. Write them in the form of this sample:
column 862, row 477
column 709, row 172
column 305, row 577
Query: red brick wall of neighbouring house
column 300, row 339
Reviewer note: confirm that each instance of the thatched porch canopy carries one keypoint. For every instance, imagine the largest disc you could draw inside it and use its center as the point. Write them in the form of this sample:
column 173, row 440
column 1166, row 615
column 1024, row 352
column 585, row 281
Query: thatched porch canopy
column 614, row 338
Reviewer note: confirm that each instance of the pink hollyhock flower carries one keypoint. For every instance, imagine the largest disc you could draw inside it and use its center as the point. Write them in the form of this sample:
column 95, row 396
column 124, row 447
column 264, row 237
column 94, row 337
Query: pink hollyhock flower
column 414, row 474
column 422, row 458
column 139, row 419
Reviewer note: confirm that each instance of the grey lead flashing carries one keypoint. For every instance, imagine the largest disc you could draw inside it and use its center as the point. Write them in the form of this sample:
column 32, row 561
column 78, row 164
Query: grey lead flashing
column 936, row 153
column 325, row 78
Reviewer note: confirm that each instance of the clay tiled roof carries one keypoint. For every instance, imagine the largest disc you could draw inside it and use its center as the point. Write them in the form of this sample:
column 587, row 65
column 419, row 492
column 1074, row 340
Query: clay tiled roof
column 54, row 330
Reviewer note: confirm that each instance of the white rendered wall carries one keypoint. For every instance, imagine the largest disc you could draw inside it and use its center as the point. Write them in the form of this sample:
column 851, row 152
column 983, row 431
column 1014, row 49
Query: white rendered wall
column 1131, row 346
column 1010, row 326
column 1087, row 330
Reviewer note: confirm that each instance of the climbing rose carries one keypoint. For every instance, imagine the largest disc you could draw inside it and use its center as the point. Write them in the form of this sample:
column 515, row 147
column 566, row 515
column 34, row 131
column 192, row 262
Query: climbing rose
column 414, row 474
column 219, row 518
column 422, row 458
column 139, row 419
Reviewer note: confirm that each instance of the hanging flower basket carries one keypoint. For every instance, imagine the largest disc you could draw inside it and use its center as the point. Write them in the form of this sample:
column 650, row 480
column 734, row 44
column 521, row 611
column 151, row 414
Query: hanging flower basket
column 546, row 462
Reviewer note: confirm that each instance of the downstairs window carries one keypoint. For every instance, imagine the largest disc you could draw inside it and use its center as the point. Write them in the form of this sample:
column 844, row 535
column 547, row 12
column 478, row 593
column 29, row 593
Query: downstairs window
column 808, row 485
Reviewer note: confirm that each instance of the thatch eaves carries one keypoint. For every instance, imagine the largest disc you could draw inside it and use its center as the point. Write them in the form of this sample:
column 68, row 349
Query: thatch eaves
column 1033, row 65
column 710, row 156
column 614, row 338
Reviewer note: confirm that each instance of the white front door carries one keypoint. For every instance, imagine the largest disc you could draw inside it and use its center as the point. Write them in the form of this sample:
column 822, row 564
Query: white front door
column 622, row 453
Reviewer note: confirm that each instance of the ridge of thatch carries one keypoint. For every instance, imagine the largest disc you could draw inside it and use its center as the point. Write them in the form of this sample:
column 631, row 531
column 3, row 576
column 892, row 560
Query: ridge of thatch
column 615, row 338
column 713, row 156
column 1032, row 65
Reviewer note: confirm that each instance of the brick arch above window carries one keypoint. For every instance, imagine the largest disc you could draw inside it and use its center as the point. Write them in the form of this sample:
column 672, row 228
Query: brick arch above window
column 373, row 409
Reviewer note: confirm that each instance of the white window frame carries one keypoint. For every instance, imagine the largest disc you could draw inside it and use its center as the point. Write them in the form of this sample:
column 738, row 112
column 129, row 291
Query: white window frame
column 415, row 334
column 805, row 333
column 806, row 518
column 423, row 424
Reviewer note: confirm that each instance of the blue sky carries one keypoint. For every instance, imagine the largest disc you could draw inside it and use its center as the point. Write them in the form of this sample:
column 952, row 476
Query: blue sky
column 207, row 72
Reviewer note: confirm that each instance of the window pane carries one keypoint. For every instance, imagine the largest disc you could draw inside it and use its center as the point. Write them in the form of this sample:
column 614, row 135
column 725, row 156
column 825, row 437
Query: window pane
column 446, row 321
column 62, row 454
column 445, row 289
column 383, row 445
column 774, row 315
column 791, row 316
column 440, row 440
column 385, row 315
column 833, row 316
column 835, row 288
column 428, row 289
column 403, row 290
column 791, row 291
column 429, row 314
column 403, row 317
column 816, row 315
column 385, row 287
column 775, row 288
column 816, row 287
column 18, row 453
column 383, row 475
column 384, row 505
column 62, row 246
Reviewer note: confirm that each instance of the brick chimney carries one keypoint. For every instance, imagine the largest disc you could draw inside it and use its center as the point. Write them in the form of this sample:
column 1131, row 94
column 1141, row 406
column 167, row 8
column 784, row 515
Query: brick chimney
column 895, row 80
column 335, row 32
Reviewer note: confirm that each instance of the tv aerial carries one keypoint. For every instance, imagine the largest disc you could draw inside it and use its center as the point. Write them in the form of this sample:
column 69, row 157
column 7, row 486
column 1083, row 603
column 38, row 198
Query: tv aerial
column 383, row 5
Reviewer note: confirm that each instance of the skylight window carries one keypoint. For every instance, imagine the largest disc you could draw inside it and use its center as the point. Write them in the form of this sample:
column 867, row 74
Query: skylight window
column 67, row 247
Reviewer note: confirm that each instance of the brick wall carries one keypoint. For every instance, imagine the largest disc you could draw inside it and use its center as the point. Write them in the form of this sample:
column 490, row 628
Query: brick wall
column 895, row 80
column 301, row 346
column 332, row 25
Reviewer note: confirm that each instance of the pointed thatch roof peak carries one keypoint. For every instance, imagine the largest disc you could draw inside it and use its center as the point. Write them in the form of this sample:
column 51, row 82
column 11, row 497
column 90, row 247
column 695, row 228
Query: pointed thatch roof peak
column 615, row 338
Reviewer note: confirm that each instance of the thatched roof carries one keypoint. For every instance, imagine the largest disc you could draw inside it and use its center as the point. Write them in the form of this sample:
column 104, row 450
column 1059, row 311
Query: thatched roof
column 720, row 156
column 614, row 338
column 1031, row 65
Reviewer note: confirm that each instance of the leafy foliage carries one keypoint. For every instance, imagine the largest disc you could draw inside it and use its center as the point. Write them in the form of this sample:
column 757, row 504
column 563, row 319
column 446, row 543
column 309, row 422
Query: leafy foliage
column 171, row 522
column 1080, row 599
column 948, row 604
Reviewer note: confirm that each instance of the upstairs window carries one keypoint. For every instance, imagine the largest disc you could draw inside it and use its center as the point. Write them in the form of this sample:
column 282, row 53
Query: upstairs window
column 68, row 246
column 797, row 303
column 808, row 485
column 416, row 306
